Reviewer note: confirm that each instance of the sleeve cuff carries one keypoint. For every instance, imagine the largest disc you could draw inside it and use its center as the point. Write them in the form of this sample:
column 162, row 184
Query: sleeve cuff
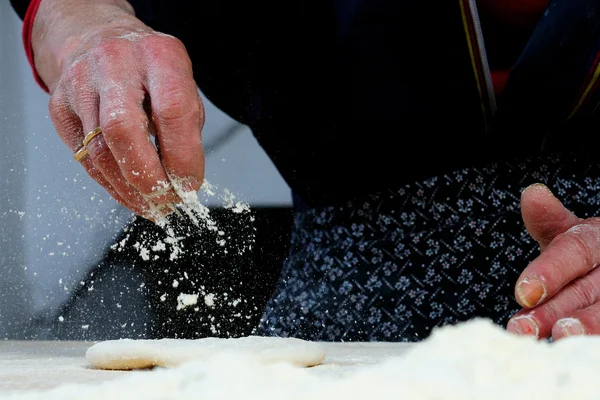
column 27, row 29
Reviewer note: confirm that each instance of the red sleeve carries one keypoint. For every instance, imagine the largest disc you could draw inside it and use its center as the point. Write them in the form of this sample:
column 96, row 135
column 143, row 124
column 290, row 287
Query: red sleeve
column 27, row 28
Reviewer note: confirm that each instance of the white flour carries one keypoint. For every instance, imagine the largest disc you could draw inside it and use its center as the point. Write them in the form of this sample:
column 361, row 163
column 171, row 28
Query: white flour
column 186, row 300
column 169, row 245
column 209, row 299
column 471, row 361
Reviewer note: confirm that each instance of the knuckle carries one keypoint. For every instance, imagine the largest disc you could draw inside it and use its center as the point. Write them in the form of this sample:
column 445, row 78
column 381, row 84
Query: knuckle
column 99, row 154
column 137, row 179
column 585, row 291
column 177, row 108
column 76, row 69
column 67, row 124
column 550, row 311
column 107, row 50
column 75, row 90
column 577, row 238
column 58, row 108
column 591, row 316
column 86, row 103
column 158, row 43
column 76, row 75
column 166, row 39
column 116, row 125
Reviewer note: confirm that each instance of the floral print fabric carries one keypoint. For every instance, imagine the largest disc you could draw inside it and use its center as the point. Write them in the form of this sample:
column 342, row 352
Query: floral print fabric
column 396, row 264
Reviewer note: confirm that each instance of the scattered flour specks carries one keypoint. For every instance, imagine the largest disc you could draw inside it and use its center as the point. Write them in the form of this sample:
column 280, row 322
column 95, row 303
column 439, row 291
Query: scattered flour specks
column 193, row 209
column 209, row 299
column 185, row 300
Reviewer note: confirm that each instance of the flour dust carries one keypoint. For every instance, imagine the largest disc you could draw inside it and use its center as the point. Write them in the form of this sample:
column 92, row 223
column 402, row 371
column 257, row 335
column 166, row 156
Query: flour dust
column 188, row 241
column 169, row 245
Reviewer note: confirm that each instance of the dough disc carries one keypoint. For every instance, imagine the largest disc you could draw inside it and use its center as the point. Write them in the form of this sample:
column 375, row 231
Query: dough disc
column 127, row 354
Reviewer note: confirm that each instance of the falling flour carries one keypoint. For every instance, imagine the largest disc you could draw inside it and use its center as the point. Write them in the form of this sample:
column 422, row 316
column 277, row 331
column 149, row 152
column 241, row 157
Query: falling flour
column 209, row 299
column 186, row 300
column 474, row 360
column 192, row 208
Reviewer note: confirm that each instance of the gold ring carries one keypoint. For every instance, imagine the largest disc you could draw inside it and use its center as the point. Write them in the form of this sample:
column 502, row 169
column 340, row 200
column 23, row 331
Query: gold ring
column 81, row 154
column 88, row 138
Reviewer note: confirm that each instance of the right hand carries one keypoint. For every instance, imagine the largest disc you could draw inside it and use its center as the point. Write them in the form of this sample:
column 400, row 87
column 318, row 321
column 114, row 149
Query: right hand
column 132, row 82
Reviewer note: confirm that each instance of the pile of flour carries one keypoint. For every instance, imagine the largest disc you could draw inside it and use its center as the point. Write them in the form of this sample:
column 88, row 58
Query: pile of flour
column 474, row 360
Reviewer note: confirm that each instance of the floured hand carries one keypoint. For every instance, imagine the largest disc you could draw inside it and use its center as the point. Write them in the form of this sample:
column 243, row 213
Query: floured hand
column 104, row 68
column 560, row 289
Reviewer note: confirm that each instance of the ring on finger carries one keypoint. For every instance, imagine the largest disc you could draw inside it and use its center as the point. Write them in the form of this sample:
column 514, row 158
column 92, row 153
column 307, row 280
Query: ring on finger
column 88, row 138
column 83, row 151
column 81, row 154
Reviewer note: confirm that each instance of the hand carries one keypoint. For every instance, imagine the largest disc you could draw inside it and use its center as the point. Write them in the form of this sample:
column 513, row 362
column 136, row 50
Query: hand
column 105, row 68
column 560, row 289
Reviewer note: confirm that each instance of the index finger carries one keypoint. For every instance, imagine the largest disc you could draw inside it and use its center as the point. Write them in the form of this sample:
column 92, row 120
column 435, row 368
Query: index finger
column 125, row 126
column 177, row 113
column 570, row 255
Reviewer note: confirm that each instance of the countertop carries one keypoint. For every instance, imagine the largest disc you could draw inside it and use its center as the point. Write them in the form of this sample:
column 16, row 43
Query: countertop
column 47, row 364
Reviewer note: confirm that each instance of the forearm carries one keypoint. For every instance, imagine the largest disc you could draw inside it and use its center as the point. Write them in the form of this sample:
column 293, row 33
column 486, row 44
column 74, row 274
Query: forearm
column 64, row 29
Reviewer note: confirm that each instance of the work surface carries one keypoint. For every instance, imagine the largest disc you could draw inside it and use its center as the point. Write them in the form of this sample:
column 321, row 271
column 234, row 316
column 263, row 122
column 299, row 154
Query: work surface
column 47, row 364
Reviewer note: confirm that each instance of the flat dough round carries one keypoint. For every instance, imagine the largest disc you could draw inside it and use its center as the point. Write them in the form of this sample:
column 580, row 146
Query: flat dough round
column 127, row 354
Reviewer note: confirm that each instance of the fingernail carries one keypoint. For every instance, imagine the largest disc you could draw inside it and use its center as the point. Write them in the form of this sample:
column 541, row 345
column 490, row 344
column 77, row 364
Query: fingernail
column 524, row 326
column 531, row 292
column 539, row 186
column 571, row 326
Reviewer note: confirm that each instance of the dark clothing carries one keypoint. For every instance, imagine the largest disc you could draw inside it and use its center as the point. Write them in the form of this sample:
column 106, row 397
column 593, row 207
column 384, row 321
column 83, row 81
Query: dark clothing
column 362, row 103
column 352, row 97
column 327, row 89
column 20, row 7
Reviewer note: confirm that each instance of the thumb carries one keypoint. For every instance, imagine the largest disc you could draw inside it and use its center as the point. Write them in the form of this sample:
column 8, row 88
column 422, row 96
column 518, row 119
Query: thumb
column 544, row 215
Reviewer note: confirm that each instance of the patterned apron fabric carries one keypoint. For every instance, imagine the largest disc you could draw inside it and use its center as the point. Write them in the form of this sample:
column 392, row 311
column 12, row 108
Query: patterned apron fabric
column 397, row 264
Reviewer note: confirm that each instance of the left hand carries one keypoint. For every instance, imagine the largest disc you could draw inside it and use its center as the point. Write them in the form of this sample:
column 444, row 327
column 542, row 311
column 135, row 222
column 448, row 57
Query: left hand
column 559, row 290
